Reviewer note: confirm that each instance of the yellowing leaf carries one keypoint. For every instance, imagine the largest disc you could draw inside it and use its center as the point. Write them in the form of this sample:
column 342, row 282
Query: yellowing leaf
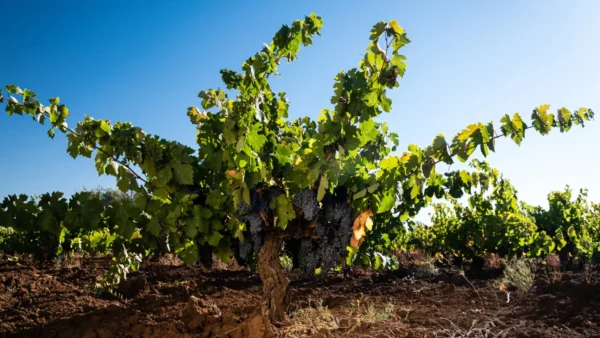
column 358, row 229
column 369, row 224
column 405, row 157
column 360, row 233
column 394, row 25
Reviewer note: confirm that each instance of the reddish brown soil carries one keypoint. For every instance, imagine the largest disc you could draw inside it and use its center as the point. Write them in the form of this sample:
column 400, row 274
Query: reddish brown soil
column 185, row 301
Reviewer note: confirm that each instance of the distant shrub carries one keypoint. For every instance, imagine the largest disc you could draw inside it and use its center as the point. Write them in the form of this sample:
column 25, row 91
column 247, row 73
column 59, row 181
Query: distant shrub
column 110, row 195
column 518, row 276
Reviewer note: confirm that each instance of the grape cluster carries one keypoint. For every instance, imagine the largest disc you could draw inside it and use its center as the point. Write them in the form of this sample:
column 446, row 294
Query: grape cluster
column 390, row 76
column 334, row 228
column 308, row 258
column 333, row 218
column 254, row 236
column 307, row 201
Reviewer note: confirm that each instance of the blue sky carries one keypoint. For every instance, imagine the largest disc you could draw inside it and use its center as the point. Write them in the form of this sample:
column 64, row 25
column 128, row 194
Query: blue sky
column 146, row 61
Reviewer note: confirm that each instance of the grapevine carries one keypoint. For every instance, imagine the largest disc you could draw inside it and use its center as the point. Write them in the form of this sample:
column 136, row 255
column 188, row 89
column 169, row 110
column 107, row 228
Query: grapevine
column 258, row 182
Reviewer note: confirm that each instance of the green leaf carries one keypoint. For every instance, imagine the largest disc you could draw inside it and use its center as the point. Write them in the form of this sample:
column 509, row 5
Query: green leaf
column 542, row 121
column 53, row 116
column 105, row 127
column 323, row 187
column 191, row 227
column 371, row 189
column 164, row 175
column 240, row 144
column 378, row 28
column 27, row 93
column 184, row 174
column 63, row 110
column 283, row 210
column 415, row 190
column 560, row 239
column 360, row 194
column 13, row 89
column 153, row 226
column 214, row 238
column 255, row 140
column 368, row 132
column 571, row 232
column 216, row 225
column 205, row 213
column 215, row 199
column 386, row 104
column 140, row 201
column 113, row 167
column 283, row 153
column 49, row 223
column 389, row 163
column 188, row 252
column 123, row 183
column 246, row 195
column 161, row 193
column 385, row 204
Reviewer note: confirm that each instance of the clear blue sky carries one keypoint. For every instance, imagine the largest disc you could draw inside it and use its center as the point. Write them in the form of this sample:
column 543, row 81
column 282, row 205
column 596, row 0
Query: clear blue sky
column 146, row 61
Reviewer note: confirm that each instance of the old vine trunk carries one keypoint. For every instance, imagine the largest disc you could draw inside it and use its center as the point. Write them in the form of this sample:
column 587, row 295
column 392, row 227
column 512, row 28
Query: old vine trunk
column 276, row 287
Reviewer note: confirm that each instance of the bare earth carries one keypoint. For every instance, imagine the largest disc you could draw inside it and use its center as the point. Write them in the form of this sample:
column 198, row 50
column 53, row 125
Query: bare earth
column 167, row 300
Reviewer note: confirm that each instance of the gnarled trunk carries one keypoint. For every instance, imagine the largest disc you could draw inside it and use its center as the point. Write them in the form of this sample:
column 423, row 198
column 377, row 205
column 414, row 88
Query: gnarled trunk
column 276, row 287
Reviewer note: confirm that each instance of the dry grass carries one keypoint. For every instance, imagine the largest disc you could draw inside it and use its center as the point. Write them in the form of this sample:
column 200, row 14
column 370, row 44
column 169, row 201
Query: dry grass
column 313, row 319
column 369, row 312
column 318, row 320
column 478, row 329
column 170, row 259
column 426, row 269
column 218, row 264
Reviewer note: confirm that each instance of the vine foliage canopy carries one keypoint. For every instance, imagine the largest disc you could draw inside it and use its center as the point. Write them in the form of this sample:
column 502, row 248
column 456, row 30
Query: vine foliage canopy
column 258, row 181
